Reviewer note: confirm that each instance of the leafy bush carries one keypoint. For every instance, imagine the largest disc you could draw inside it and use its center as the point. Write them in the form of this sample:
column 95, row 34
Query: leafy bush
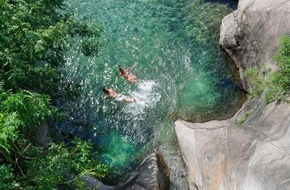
column 34, row 36
column 74, row 161
column 31, row 108
column 20, row 112
column 9, row 124
column 275, row 85
column 7, row 180
column 33, row 39
column 256, row 81
column 283, row 62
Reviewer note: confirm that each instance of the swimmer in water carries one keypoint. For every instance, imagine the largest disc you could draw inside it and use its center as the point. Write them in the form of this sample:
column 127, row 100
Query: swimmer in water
column 126, row 75
column 112, row 94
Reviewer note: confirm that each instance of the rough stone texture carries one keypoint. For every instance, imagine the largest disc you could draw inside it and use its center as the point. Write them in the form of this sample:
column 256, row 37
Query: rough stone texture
column 152, row 174
column 250, row 35
column 41, row 136
column 222, row 155
column 225, row 156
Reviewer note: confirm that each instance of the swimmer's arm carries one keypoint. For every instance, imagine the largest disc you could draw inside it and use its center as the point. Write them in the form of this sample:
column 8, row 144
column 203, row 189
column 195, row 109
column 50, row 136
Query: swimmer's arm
column 134, row 65
column 129, row 100
column 117, row 78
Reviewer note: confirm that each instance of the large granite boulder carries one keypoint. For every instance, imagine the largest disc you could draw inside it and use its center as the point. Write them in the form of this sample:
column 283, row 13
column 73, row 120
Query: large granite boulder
column 251, row 150
column 227, row 156
column 152, row 174
column 251, row 34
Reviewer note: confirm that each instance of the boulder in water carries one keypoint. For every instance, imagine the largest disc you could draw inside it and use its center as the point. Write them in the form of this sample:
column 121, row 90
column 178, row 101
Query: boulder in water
column 152, row 174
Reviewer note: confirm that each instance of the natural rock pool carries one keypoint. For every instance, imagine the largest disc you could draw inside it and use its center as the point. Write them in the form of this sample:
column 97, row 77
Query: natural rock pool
column 181, row 69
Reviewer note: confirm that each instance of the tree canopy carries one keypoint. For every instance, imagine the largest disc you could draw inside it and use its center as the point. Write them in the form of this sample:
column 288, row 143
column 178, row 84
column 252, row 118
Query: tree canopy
column 34, row 36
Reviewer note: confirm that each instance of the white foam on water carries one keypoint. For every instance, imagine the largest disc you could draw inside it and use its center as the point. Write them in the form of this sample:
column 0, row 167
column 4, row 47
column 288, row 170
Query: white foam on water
column 146, row 96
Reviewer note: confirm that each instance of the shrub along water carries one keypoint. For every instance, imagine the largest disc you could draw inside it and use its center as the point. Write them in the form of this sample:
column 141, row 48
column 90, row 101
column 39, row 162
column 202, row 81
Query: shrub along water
column 276, row 84
column 34, row 35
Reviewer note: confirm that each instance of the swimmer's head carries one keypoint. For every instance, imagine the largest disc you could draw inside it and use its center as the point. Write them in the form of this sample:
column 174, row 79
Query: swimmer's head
column 122, row 70
column 105, row 90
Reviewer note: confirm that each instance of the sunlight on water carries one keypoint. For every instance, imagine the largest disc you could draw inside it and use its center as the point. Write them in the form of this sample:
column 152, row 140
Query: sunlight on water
column 180, row 69
column 146, row 97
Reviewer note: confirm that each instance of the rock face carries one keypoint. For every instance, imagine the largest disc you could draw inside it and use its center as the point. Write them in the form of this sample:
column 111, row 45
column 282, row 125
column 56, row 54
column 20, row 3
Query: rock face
column 152, row 174
column 250, row 35
column 41, row 136
column 254, row 155
column 225, row 156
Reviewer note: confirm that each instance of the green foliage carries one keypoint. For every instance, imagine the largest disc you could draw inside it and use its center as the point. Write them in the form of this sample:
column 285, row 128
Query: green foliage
column 89, row 46
column 7, row 178
column 263, row 82
column 33, row 40
column 34, row 36
column 283, row 62
column 31, row 108
column 76, row 160
column 20, row 112
column 273, row 90
column 275, row 85
column 9, row 124
column 243, row 118
column 22, row 31
column 256, row 81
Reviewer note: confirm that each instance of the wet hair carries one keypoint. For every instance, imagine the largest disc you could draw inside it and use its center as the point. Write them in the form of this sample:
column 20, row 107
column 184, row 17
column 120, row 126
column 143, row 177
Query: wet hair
column 105, row 90
column 122, row 70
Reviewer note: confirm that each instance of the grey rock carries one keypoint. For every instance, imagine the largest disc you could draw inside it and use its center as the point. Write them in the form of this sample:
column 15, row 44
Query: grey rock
column 225, row 156
column 254, row 155
column 152, row 174
column 251, row 34
column 41, row 138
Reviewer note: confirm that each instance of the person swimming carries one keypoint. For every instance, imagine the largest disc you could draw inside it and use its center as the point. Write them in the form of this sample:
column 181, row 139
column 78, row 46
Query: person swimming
column 112, row 94
column 126, row 75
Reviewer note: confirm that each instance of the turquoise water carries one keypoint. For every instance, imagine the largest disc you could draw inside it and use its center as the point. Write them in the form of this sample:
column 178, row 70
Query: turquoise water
column 181, row 70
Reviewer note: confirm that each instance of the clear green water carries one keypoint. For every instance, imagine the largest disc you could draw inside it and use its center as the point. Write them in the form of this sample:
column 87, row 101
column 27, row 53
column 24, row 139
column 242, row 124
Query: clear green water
column 181, row 69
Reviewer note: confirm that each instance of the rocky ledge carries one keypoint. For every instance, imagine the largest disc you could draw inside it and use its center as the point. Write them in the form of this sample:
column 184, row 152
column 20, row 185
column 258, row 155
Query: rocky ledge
column 251, row 34
column 152, row 174
column 254, row 155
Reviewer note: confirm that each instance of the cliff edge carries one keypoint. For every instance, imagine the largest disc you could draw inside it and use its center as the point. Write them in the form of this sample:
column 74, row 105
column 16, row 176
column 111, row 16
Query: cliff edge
column 251, row 34
column 254, row 155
